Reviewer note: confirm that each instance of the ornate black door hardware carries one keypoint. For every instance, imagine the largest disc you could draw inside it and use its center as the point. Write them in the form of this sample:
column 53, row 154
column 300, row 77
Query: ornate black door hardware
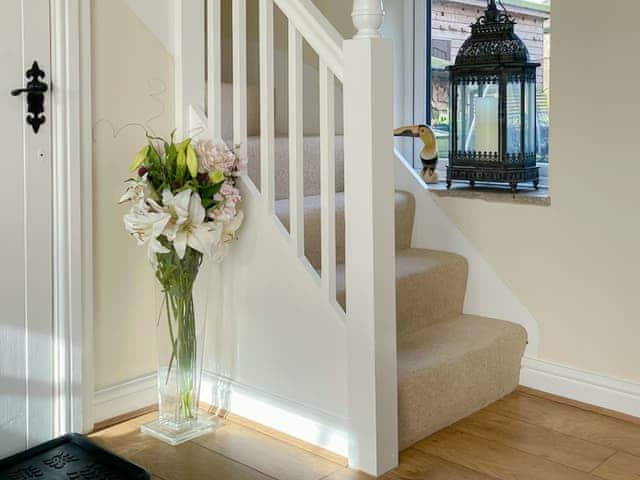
column 35, row 96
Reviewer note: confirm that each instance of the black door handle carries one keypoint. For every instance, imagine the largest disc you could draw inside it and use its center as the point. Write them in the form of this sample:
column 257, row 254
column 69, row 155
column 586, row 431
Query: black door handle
column 30, row 89
column 35, row 90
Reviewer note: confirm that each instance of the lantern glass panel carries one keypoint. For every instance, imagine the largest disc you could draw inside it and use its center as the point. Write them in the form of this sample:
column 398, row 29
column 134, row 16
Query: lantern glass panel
column 478, row 116
column 530, row 117
column 514, row 116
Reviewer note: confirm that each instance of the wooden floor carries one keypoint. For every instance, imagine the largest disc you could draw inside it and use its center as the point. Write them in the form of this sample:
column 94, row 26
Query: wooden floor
column 525, row 436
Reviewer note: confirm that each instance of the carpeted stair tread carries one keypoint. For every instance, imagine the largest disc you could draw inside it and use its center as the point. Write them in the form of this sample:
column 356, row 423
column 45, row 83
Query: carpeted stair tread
column 430, row 287
column 452, row 369
column 310, row 164
column 450, row 365
column 405, row 209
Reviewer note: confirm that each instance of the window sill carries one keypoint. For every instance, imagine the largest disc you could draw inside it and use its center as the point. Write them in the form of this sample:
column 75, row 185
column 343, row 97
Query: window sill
column 493, row 193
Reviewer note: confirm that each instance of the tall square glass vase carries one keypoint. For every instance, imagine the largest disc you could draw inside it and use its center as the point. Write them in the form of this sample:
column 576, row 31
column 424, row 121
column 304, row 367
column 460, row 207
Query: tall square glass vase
column 182, row 289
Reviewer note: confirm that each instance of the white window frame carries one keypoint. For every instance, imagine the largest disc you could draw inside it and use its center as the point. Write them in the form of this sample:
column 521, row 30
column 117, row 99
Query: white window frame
column 417, row 83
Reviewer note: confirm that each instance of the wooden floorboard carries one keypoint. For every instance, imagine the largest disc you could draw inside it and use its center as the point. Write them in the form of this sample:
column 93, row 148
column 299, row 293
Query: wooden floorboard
column 554, row 446
column 621, row 466
column 581, row 405
column 524, row 436
column 266, row 454
column 495, row 459
column 590, row 426
column 417, row 465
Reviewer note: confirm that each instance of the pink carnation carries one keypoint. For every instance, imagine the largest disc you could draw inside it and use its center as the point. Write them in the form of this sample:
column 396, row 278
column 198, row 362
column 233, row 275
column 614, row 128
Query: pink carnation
column 215, row 157
column 229, row 197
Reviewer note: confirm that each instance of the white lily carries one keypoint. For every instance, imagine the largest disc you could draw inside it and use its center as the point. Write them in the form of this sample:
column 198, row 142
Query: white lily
column 177, row 206
column 228, row 236
column 145, row 224
column 136, row 190
column 194, row 232
column 231, row 227
column 154, row 248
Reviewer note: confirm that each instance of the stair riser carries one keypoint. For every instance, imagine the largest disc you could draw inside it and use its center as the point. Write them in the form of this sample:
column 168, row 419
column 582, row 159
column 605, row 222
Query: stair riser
column 431, row 400
column 405, row 209
column 425, row 299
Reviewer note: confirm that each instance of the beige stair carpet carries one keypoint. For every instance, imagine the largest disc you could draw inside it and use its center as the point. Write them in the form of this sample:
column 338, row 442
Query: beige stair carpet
column 310, row 164
column 450, row 365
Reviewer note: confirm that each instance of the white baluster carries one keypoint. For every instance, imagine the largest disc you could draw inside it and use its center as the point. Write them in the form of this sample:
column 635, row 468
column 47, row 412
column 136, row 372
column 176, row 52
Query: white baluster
column 240, row 76
column 328, row 181
column 267, row 105
column 367, row 17
column 214, row 69
column 296, row 144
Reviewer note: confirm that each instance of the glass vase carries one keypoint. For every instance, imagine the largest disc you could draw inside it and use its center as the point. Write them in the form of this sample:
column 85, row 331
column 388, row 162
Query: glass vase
column 182, row 289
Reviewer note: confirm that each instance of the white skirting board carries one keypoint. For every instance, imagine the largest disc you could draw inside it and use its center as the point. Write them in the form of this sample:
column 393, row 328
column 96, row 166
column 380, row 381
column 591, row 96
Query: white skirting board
column 124, row 398
column 606, row 392
column 300, row 421
column 303, row 422
column 328, row 431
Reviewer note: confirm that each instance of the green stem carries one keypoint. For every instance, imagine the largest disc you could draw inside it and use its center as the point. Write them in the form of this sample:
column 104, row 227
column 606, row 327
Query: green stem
column 173, row 340
column 178, row 277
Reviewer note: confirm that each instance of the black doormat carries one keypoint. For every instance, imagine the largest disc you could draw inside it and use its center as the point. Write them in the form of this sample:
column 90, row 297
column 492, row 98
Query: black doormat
column 70, row 457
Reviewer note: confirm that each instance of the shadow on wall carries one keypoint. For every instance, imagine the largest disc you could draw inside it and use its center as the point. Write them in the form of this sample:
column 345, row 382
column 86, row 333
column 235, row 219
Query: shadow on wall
column 221, row 344
column 487, row 295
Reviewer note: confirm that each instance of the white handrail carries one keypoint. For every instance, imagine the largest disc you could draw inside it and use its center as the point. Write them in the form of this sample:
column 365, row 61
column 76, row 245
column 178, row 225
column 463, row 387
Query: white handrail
column 319, row 33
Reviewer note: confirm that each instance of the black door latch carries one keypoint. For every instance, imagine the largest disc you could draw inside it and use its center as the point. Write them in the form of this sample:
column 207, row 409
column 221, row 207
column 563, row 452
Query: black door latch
column 35, row 96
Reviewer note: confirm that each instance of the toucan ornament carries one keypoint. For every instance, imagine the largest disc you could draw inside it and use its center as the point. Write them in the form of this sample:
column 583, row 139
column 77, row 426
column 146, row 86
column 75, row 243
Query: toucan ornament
column 429, row 152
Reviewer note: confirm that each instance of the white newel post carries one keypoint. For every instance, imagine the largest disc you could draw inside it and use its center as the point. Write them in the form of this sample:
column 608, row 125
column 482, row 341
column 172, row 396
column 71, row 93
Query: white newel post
column 367, row 16
column 370, row 244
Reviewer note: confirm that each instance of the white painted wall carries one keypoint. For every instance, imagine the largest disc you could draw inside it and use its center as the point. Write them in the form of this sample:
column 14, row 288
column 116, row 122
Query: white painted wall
column 487, row 295
column 278, row 334
column 158, row 17
column 130, row 85
column 575, row 263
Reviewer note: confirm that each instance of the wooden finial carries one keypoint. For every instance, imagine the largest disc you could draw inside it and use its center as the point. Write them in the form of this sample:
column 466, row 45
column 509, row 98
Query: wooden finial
column 367, row 17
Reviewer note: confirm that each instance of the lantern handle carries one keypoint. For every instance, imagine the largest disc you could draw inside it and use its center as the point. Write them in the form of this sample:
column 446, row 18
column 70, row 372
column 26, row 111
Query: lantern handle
column 493, row 13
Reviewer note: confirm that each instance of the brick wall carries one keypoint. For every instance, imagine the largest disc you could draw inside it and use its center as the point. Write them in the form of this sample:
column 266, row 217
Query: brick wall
column 452, row 19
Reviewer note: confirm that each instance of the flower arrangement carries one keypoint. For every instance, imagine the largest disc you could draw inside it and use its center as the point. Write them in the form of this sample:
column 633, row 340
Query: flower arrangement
column 185, row 209
column 184, row 198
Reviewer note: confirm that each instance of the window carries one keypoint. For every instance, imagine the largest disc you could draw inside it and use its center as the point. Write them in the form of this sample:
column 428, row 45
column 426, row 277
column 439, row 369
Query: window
column 441, row 49
column 437, row 37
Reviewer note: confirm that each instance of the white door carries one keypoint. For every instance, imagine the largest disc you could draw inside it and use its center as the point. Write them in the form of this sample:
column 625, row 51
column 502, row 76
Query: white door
column 26, row 310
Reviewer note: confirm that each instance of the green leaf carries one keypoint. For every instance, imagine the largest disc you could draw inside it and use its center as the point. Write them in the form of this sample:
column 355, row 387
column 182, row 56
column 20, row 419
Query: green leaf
column 182, row 146
column 139, row 159
column 153, row 154
column 208, row 203
column 170, row 162
column 181, row 165
column 216, row 176
column 208, row 191
column 192, row 161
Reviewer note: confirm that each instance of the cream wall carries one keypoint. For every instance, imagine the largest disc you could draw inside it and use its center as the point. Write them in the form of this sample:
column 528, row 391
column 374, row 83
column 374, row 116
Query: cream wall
column 575, row 264
column 132, row 83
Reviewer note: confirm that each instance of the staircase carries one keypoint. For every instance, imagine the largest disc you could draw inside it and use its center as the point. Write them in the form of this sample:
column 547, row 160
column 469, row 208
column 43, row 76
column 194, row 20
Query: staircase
column 450, row 365
column 414, row 362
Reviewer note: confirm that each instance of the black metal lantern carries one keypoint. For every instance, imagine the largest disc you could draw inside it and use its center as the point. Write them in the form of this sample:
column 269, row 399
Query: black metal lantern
column 493, row 106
